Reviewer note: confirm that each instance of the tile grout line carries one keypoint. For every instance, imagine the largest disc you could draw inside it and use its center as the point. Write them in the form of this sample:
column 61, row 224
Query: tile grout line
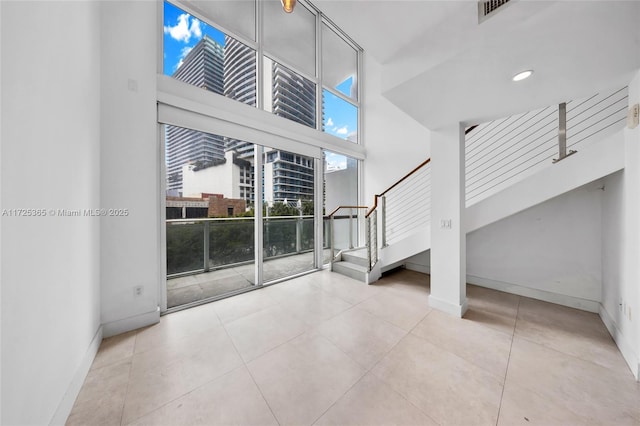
column 409, row 333
column 177, row 397
column 367, row 371
column 244, row 363
column 593, row 363
column 504, row 384
column 590, row 361
column 126, row 393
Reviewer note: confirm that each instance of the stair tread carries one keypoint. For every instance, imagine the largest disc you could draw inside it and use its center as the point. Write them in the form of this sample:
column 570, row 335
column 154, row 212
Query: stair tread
column 360, row 253
column 352, row 265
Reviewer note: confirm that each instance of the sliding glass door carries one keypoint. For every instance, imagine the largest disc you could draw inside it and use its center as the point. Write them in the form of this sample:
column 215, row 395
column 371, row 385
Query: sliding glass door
column 288, row 221
column 227, row 200
column 210, row 216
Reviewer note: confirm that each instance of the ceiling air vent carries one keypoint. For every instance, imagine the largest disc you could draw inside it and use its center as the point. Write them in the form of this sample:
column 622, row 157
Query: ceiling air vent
column 488, row 8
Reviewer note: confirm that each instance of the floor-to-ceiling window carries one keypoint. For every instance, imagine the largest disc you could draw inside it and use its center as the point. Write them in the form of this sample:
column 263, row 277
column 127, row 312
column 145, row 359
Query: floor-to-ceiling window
column 340, row 189
column 244, row 194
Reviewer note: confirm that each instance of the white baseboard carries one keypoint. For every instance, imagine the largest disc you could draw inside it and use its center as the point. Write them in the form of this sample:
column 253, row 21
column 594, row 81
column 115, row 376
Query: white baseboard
column 131, row 323
column 448, row 307
column 69, row 398
column 626, row 349
column 547, row 296
column 425, row 269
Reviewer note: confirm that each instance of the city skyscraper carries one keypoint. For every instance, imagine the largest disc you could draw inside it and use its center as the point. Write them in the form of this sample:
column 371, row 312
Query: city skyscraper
column 230, row 70
column 204, row 67
column 293, row 96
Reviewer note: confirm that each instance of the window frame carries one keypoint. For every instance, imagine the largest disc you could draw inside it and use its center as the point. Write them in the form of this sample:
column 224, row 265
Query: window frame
column 257, row 46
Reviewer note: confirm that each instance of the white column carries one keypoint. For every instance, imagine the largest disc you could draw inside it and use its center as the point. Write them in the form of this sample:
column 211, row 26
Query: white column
column 629, row 323
column 448, row 239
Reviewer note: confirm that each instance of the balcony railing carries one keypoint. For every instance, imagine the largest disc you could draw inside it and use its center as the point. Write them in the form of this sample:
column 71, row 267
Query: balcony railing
column 196, row 246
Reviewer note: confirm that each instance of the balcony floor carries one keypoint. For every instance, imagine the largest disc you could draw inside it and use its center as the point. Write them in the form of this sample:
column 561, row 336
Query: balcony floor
column 192, row 288
column 324, row 349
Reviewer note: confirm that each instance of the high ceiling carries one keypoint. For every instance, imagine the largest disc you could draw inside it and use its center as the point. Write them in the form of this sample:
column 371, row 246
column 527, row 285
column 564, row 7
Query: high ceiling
column 441, row 67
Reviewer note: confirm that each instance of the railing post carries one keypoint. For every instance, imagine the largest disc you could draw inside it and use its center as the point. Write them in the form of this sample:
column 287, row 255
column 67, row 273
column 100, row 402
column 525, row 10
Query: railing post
column 383, row 220
column 562, row 130
column 374, row 239
column 332, row 233
column 368, row 238
column 299, row 235
column 562, row 133
column 350, row 228
column 206, row 246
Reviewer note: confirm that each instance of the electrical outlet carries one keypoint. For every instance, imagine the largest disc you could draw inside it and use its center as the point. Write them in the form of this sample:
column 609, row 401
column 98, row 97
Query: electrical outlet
column 138, row 290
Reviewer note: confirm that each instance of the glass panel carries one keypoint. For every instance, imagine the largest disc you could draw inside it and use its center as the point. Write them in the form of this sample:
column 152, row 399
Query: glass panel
column 184, row 247
column 339, row 117
column 210, row 224
column 288, row 214
column 340, row 189
column 288, row 94
column 238, row 16
column 339, row 64
column 291, row 36
column 199, row 54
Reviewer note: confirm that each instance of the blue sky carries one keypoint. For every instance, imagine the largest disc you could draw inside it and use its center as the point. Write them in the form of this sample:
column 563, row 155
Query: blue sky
column 182, row 31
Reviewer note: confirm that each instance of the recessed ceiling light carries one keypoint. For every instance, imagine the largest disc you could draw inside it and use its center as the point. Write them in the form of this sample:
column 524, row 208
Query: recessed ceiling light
column 522, row 75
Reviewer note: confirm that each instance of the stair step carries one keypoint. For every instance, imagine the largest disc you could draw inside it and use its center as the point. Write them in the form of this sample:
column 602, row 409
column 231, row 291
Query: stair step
column 352, row 270
column 359, row 257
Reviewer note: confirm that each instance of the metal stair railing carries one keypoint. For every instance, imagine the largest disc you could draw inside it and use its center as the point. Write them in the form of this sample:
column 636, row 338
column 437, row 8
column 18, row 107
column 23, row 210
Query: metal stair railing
column 333, row 216
column 501, row 152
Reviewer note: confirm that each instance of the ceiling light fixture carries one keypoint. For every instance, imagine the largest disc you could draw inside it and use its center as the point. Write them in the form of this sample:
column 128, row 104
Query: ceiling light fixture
column 522, row 75
column 288, row 5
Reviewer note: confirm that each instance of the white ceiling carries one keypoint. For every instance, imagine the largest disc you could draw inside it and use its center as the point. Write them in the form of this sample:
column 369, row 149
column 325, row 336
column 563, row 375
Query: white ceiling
column 442, row 67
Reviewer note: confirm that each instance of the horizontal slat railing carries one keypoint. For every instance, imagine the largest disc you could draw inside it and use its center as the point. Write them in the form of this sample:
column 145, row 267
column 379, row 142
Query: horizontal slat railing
column 504, row 151
column 403, row 206
column 408, row 205
column 593, row 118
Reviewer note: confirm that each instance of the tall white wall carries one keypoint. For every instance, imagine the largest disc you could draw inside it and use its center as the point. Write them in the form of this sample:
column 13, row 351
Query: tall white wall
column 50, row 160
column 621, row 247
column 395, row 142
column 130, row 164
column 551, row 251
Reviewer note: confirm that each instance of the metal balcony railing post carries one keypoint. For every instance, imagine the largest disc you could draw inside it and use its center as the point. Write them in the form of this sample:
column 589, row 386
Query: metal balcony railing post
column 206, row 245
column 298, row 235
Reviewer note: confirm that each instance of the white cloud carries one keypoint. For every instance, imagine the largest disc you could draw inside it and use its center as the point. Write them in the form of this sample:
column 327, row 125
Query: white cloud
column 342, row 130
column 182, row 31
column 183, row 53
column 195, row 28
column 329, row 122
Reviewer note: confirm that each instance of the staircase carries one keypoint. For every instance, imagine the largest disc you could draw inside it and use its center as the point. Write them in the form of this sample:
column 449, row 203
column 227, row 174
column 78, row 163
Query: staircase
column 511, row 165
column 353, row 263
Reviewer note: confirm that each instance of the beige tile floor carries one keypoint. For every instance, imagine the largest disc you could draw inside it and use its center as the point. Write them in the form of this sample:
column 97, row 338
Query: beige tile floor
column 327, row 350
